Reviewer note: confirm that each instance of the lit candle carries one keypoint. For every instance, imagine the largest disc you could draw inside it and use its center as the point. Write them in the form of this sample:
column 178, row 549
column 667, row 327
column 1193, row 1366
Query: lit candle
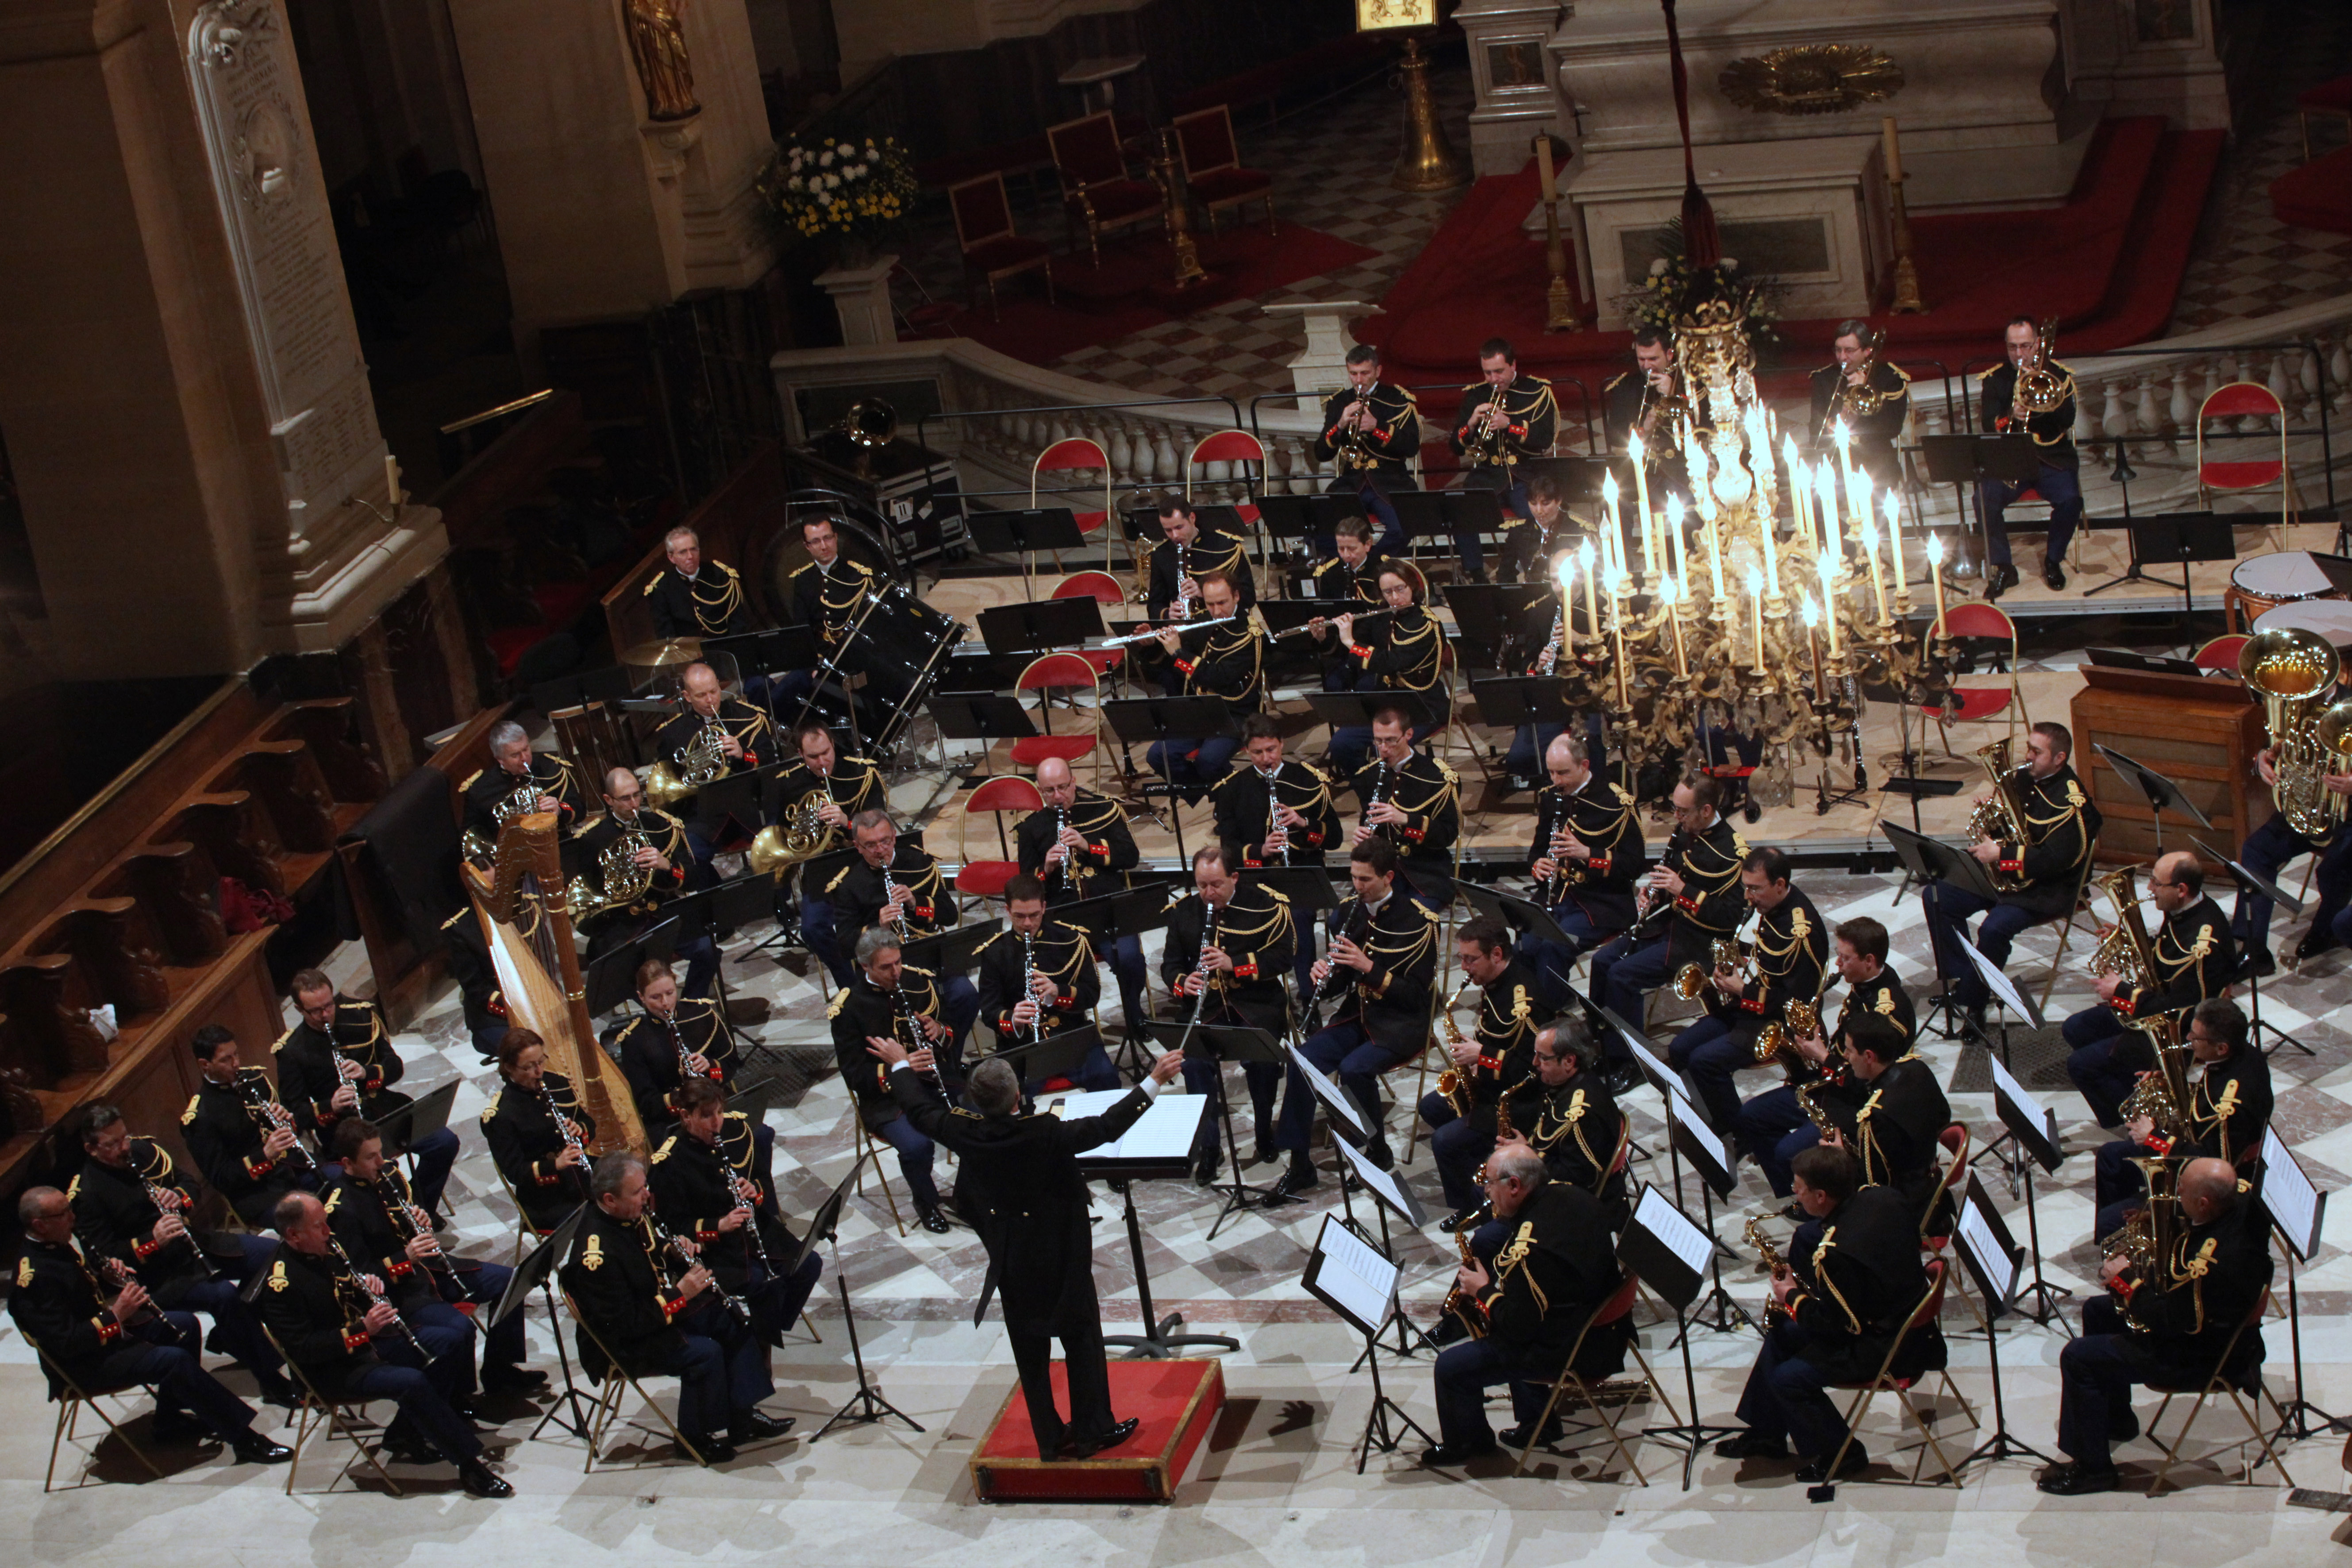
column 1813, row 619
column 391, row 479
column 1756, row 603
column 1617, row 629
column 1592, row 608
column 1702, row 487
column 1800, row 512
column 1829, row 602
column 1642, row 497
column 1715, row 559
column 1674, row 527
column 1857, row 490
column 1567, row 605
column 1841, row 439
column 1825, row 496
column 1894, row 540
column 1672, row 590
column 1870, row 554
column 1893, row 150
column 1935, row 567
column 1765, row 531
column 1616, row 534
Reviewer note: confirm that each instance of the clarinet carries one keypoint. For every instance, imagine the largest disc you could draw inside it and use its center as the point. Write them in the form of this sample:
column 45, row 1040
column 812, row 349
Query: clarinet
column 167, row 1203
column 1341, row 975
column 685, row 1057
column 1201, row 969
column 1062, row 825
column 258, row 1105
column 749, row 1197
column 1274, row 812
column 1544, row 833
column 666, row 1241
column 903, row 1013
column 1184, row 610
column 358, row 1282
column 1379, row 788
column 405, row 1224
column 891, row 911
column 563, row 1126
column 1029, row 992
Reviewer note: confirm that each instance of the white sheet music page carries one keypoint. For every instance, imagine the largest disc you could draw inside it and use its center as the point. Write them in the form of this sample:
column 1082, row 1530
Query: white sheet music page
column 2287, row 1193
column 1354, row 1274
column 1381, row 1182
column 1687, row 1118
column 1166, row 1131
column 1655, row 1214
column 1986, row 1248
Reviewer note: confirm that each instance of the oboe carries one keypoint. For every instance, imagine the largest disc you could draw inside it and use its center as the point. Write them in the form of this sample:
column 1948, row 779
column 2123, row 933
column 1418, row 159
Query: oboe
column 666, row 1241
column 167, row 1203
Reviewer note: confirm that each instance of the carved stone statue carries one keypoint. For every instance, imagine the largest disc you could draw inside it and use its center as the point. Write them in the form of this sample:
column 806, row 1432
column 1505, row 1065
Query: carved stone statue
column 658, row 42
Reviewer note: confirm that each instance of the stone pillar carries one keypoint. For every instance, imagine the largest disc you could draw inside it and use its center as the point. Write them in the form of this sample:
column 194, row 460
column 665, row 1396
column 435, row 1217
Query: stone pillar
column 1511, row 69
column 179, row 377
column 603, row 210
column 861, row 298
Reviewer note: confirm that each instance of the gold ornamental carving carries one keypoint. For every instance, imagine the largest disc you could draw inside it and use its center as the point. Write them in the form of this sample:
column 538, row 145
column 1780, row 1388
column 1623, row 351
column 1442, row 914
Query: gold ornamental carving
column 1812, row 78
column 1377, row 15
column 658, row 43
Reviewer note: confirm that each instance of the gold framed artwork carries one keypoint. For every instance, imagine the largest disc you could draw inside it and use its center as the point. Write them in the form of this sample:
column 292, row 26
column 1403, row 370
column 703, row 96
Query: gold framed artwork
column 1386, row 16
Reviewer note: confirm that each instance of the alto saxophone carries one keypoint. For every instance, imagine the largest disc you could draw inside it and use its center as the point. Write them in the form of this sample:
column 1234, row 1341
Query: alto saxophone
column 1453, row 1083
column 1723, row 952
column 1770, row 1256
column 1798, row 1021
column 1458, row 1304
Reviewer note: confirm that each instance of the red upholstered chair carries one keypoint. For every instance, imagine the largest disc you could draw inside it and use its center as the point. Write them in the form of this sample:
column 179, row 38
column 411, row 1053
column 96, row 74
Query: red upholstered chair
column 986, row 878
column 1240, row 449
column 1104, row 589
column 1070, row 674
column 984, row 221
column 2220, row 653
column 1975, row 704
column 1213, row 165
column 2240, row 400
column 1076, row 452
column 1097, row 189
column 2330, row 100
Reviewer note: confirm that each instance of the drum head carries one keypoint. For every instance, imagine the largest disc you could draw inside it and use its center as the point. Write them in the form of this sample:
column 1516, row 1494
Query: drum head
column 784, row 553
column 2282, row 577
column 2331, row 619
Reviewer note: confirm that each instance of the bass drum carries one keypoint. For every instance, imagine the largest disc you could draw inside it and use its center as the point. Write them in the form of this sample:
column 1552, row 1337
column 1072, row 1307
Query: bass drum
column 903, row 642
column 782, row 554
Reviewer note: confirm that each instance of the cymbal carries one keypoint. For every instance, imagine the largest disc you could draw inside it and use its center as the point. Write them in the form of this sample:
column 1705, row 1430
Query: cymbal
column 660, row 654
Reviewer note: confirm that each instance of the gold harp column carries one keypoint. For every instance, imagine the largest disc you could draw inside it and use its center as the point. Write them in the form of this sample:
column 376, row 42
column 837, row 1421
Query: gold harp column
column 1906, row 271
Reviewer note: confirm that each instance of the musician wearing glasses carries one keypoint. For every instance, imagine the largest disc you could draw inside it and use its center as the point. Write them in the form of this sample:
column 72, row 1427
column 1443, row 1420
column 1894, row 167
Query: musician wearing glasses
column 2048, row 418
column 1038, row 980
column 1079, row 847
column 1505, row 418
column 1229, row 946
column 538, row 1133
column 1226, row 662
column 887, row 998
column 1370, row 433
column 692, row 597
column 1690, row 898
column 1586, row 853
column 710, row 1187
column 2266, row 853
column 1785, row 965
column 350, row 1344
column 1869, row 396
column 1401, row 651
column 2037, row 874
column 1375, row 979
column 384, row 1232
column 241, row 1138
column 1651, row 401
column 638, row 876
column 2223, row 1118
column 519, row 776
column 132, row 1205
column 893, row 881
column 647, row 1298
column 339, row 1062
column 2191, row 957
column 1566, row 1114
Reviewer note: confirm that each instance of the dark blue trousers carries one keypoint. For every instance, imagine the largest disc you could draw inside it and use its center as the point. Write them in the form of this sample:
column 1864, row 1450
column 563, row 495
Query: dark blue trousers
column 1774, row 1129
column 1622, row 975
column 162, row 1353
column 2096, row 1064
column 1358, row 1059
column 2061, row 488
column 1949, row 910
column 1786, row 1395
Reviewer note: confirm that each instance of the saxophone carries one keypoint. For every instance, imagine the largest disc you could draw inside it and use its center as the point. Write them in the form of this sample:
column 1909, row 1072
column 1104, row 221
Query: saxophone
column 1453, row 1083
column 1723, row 952
column 1822, row 1121
column 2001, row 816
column 619, row 879
column 1458, row 1305
column 2292, row 671
column 1798, row 1021
column 1770, row 1256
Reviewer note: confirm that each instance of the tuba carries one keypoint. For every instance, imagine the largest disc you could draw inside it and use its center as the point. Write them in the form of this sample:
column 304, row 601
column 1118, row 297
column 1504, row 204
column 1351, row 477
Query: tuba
column 2152, row 1233
column 2040, row 389
column 2162, row 1096
column 799, row 835
column 870, row 424
column 2001, row 816
column 2292, row 670
column 619, row 879
column 2334, row 729
column 2124, row 951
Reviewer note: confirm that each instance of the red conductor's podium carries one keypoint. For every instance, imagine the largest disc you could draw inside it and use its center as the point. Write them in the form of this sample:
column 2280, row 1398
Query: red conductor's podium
column 1177, row 1400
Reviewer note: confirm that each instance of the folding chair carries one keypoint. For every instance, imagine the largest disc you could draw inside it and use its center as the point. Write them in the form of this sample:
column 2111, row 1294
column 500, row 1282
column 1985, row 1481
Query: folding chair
column 2245, row 400
column 1572, row 1381
column 2079, row 908
column 1103, row 589
column 1930, row 1308
column 2220, row 653
column 524, row 1229
column 869, row 1148
column 2216, row 1382
column 1213, row 165
column 1239, row 448
column 316, row 1413
column 1975, row 704
column 617, row 1379
column 986, row 878
column 1955, row 1140
column 1076, row 452
column 70, row 1398
column 992, row 247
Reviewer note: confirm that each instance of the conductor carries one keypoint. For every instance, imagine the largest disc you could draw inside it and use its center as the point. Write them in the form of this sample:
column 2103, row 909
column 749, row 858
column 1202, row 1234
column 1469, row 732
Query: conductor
column 1022, row 1190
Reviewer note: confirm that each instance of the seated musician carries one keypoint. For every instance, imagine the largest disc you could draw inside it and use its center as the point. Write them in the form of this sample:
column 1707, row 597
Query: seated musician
column 651, row 1302
column 622, row 913
column 1852, row 1282
column 1185, row 553
column 2168, row 1322
column 350, row 1344
column 338, row 1062
column 242, row 1139
column 1772, row 1128
column 1860, row 378
column 1586, row 853
column 1375, row 978
column 1272, row 812
column 384, row 1232
column 518, row 777
column 1690, row 898
column 132, row 1204
column 692, row 597
column 1413, row 801
column 1651, row 401
column 872, row 1004
column 1229, row 947
column 1525, row 1314
column 1792, row 951
column 1401, row 651
column 1535, row 648
column 1227, row 662
column 820, row 789
column 467, row 952
column 1038, row 980
column 672, row 1040
column 828, row 591
column 1498, row 1055
column 1505, row 418
column 1890, row 1119
column 2059, row 482
column 103, row 1337
column 895, row 881
column 2194, row 959
column 1353, row 574
column 2266, row 853
column 2229, row 1107
column 2037, row 877
column 1079, row 847
column 745, row 738
column 1550, row 531
column 710, row 1187
column 544, row 1159
column 1370, row 432
column 1566, row 1114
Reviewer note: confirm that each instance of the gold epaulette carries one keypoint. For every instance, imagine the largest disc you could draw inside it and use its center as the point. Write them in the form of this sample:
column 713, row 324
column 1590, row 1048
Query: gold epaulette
column 724, row 567
column 488, row 1112
column 280, row 1044
column 838, row 877
column 25, row 1272
column 1447, row 771
column 832, row 1008
column 662, row 1153
column 73, row 1190
column 652, row 582
column 334, row 1196
column 277, row 1281
column 188, row 1116
column 919, row 969
column 991, row 942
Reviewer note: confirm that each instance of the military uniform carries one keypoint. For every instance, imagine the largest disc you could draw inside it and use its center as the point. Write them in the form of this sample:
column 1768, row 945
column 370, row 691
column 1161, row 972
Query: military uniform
column 525, row 1142
column 485, row 789
column 1244, row 817
column 615, row 925
column 1380, row 1018
column 1460, row 1139
column 1225, row 662
column 1773, row 1128
column 1429, row 793
column 828, row 598
column 2195, row 959
column 1590, row 898
column 752, row 730
column 1891, row 1131
column 854, row 784
column 1873, row 435
column 1579, row 1131
column 1370, row 464
column 1399, row 652
column 309, row 1077
column 695, row 1185
column 1627, row 399
column 225, row 1138
column 1064, row 955
column 1529, row 423
column 360, row 1214
column 1209, row 551
column 316, row 1311
column 1090, row 873
column 1253, row 929
column 2062, row 830
column 2229, row 1105
column 652, row 1052
column 1792, row 954
column 862, row 1010
column 2053, row 435
column 467, row 952
column 1710, row 906
column 708, row 605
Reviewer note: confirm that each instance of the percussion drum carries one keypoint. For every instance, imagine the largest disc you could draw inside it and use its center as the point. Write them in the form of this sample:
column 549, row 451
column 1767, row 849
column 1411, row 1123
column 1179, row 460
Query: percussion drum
column 2331, row 619
column 2263, row 582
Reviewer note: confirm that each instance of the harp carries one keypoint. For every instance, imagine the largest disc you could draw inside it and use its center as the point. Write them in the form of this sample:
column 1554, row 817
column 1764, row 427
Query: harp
column 527, row 922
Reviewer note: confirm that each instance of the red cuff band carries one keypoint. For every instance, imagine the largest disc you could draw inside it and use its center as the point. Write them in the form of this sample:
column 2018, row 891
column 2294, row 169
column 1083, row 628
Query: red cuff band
column 1185, row 665
column 143, row 1250
column 1686, row 906
column 1597, row 863
column 1245, row 970
column 355, row 1341
column 1752, row 1005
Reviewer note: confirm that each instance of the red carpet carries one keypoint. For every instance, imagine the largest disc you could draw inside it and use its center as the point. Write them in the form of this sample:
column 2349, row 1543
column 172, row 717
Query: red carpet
column 2319, row 194
column 1177, row 1403
column 1129, row 291
column 2107, row 264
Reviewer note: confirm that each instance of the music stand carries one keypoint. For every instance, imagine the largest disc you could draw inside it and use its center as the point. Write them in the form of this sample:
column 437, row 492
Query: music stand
column 734, row 797
column 1357, row 1169
column 1142, row 720
column 1055, row 1056
column 611, row 979
column 2162, row 793
column 537, row 1272
column 1341, row 709
column 1688, row 1133
column 2181, row 536
column 950, row 952
column 1130, row 911
column 1346, row 1116
column 1666, row 1252
column 1511, row 700
column 1523, row 916
column 1023, row 532
column 1284, row 617
column 1040, row 626
column 1964, row 460
column 1157, row 1147
column 1931, row 860
column 2249, row 883
column 1994, row 1261
column 2005, row 995
column 2296, row 1210
column 2033, row 1130
column 1488, row 613
column 867, row 1406
column 1350, row 1276
column 1308, row 889
column 983, row 716
column 587, row 689
column 1226, row 1043
column 1312, row 519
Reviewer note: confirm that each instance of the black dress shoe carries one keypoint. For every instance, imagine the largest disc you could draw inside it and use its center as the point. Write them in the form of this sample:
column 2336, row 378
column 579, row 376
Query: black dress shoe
column 409, row 1450
column 513, row 1380
column 253, row 1448
column 1459, row 1218
column 1517, row 1436
column 1751, row 811
column 480, row 1482
column 1794, row 1213
column 2314, row 942
column 1299, row 1178
column 755, row 1427
column 1752, row 1445
column 1816, row 1471
column 2259, row 964
column 2053, row 577
column 2076, row 1479
column 1449, row 1455
column 714, row 1448
column 280, row 1391
column 1998, row 579
column 932, row 1221
column 1087, row 1448
column 1204, row 1172
column 1263, row 1152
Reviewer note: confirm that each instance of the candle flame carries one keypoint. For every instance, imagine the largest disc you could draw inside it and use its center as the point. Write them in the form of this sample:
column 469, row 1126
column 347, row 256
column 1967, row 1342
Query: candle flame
column 1567, row 568
column 1609, row 486
column 1633, row 448
column 1584, row 555
column 1935, row 549
column 1811, row 612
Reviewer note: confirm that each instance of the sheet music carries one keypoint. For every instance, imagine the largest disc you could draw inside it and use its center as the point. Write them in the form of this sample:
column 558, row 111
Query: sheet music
column 1652, row 1069
column 1687, row 1118
column 2000, row 985
column 1985, row 1248
column 2289, row 1196
column 1657, row 1215
column 1358, row 1280
column 2006, row 1082
column 1166, row 1131
column 1384, row 1182
column 1335, row 1100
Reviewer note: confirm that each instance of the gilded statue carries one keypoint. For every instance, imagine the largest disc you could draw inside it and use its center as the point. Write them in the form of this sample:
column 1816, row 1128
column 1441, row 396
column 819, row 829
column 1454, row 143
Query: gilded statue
column 657, row 41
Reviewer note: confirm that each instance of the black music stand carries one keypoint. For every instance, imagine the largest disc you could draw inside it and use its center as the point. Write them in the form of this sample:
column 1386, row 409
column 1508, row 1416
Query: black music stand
column 1024, row 532
column 610, row 980
column 1511, row 700
column 2249, row 884
column 1523, row 916
column 1491, row 612
column 950, row 952
column 1226, row 1043
column 734, row 796
column 983, row 716
column 1391, row 1195
column 1162, row 1337
column 1994, row 1260
column 2297, row 1209
column 1964, row 460
column 537, row 1272
column 1308, row 889
column 867, row 1406
column 2174, row 536
column 2033, row 1131
column 1689, row 1135
column 1657, row 1247
column 1040, row 626
column 1312, row 519
column 1145, row 720
column 1055, row 1056
column 405, row 1126
column 1362, row 1287
column 2162, row 793
column 1106, row 917
column 1341, row 709
column 1928, row 861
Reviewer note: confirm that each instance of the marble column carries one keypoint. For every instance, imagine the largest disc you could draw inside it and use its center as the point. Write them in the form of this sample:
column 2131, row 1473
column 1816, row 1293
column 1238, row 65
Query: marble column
column 1511, row 71
column 602, row 209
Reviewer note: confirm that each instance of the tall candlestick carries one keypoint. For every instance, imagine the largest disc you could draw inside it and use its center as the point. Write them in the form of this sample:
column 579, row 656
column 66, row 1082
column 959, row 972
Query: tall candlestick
column 1756, row 603
column 1800, row 501
column 1702, row 486
column 1825, row 496
column 1820, row 687
column 1843, row 439
column 1673, row 590
column 1765, row 531
column 1870, row 554
column 1894, row 540
column 1543, row 167
column 1715, row 559
column 1566, row 606
column 1829, row 602
column 1674, row 527
column 1642, row 497
column 1617, row 629
column 1592, row 606
column 1894, row 148
column 1935, row 567
column 1857, row 492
